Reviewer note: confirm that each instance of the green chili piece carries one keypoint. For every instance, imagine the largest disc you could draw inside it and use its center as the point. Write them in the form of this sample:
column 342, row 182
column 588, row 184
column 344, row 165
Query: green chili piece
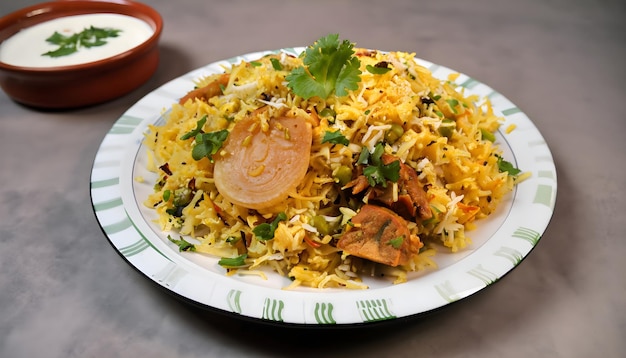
column 394, row 133
column 343, row 175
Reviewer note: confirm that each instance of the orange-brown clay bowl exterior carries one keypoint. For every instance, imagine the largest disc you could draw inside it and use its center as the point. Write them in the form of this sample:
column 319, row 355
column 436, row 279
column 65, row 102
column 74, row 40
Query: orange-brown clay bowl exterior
column 84, row 84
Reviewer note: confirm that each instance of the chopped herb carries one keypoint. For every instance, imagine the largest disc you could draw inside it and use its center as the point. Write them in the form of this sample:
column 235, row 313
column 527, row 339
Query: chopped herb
column 378, row 70
column 379, row 174
column 183, row 245
column 208, row 144
column 256, row 64
column 89, row 37
column 276, row 64
column 265, row 231
column 505, row 166
column 367, row 112
column 329, row 67
column 194, row 132
column 335, row 138
column 233, row 261
column 397, row 242
column 376, row 172
column 166, row 195
column 364, row 156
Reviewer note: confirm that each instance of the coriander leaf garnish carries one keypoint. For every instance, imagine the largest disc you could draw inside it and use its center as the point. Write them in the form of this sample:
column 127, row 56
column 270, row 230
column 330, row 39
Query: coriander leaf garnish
column 233, row 262
column 329, row 67
column 378, row 69
column 194, row 132
column 276, row 64
column 379, row 174
column 183, row 245
column 505, row 166
column 89, row 37
column 208, row 144
column 376, row 172
column 265, row 231
column 397, row 242
column 335, row 138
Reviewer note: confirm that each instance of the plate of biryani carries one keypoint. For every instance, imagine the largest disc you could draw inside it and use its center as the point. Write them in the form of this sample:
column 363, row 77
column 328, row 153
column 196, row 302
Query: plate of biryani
column 324, row 185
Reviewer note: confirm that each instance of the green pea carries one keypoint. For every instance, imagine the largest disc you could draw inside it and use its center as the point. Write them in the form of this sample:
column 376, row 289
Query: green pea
column 394, row 133
column 343, row 175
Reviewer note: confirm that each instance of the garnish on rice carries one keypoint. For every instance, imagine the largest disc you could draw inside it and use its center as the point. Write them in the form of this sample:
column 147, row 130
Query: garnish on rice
column 328, row 67
column 327, row 167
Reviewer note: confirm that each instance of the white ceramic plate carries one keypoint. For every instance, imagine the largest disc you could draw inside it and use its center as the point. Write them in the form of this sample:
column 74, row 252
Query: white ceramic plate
column 499, row 244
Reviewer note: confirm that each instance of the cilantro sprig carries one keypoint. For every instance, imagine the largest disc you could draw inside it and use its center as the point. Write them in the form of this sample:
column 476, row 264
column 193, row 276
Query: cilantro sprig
column 229, row 262
column 329, row 67
column 89, row 37
column 378, row 69
column 397, row 242
column 375, row 171
column 183, row 245
column 504, row 166
column 335, row 138
column 194, row 132
column 265, row 231
column 207, row 144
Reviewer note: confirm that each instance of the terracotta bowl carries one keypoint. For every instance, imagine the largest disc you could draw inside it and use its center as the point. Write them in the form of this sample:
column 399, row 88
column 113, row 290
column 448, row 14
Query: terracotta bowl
column 86, row 84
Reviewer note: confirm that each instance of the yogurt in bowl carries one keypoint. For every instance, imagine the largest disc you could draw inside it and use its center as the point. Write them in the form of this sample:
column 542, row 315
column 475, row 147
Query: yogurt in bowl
column 75, row 53
column 73, row 40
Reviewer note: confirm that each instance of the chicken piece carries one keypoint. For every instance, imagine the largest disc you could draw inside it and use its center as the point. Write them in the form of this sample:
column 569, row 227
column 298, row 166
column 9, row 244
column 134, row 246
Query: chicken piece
column 412, row 198
column 412, row 201
column 211, row 90
column 257, row 169
column 380, row 235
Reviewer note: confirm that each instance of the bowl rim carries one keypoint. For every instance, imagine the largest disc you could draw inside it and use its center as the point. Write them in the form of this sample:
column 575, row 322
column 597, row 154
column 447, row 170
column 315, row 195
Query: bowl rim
column 63, row 6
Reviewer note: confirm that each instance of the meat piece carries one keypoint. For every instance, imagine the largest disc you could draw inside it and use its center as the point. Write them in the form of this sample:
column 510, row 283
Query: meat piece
column 412, row 201
column 211, row 90
column 358, row 184
column 416, row 204
column 380, row 235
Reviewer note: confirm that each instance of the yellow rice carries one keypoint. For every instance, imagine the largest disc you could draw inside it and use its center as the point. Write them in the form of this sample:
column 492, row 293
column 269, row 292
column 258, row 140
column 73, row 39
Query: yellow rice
column 460, row 171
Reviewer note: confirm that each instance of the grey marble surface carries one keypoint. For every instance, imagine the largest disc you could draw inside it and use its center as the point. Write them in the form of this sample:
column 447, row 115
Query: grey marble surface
column 64, row 292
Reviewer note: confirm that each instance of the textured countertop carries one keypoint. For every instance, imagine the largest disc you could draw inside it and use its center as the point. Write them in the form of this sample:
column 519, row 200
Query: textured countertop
column 65, row 292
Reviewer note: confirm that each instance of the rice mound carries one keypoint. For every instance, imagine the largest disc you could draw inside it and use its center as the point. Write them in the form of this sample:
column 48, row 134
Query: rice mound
column 443, row 139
